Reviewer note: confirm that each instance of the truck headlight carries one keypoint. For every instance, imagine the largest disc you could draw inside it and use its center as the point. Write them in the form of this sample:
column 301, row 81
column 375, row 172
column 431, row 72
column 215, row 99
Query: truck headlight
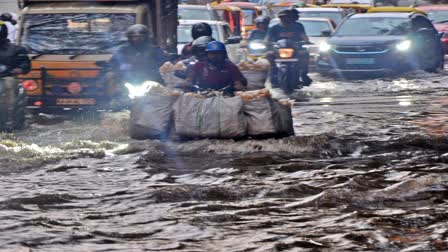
column 403, row 45
column 324, row 47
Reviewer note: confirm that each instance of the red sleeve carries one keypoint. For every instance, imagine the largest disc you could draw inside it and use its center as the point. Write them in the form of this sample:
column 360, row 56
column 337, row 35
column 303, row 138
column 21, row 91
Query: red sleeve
column 194, row 71
column 235, row 73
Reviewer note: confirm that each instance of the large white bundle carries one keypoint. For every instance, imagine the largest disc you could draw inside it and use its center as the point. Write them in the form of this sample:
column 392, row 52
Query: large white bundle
column 215, row 117
column 152, row 114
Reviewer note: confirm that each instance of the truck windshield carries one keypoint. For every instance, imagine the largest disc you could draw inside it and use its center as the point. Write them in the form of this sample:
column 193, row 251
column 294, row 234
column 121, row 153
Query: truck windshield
column 74, row 33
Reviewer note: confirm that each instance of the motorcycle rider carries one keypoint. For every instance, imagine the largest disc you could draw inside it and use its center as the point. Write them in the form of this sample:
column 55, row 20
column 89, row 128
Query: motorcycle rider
column 197, row 30
column 198, row 49
column 13, row 61
column 216, row 72
column 137, row 60
column 262, row 23
column 289, row 28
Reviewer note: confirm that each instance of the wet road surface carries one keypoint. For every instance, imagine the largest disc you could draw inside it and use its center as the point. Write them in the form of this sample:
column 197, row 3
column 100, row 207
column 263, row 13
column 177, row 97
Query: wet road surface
column 366, row 171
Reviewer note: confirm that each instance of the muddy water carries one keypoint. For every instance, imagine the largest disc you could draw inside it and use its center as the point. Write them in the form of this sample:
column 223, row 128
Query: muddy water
column 367, row 171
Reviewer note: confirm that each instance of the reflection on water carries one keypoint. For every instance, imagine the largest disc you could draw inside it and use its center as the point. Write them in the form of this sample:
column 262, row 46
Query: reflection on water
column 366, row 172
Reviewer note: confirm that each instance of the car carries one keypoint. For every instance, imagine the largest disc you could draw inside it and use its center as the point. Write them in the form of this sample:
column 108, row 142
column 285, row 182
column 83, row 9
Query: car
column 221, row 32
column 382, row 42
column 318, row 30
column 335, row 14
column 196, row 12
column 438, row 14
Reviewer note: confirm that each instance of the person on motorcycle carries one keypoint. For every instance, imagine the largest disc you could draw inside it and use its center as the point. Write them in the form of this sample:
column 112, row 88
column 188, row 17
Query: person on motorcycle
column 10, row 23
column 289, row 28
column 197, row 30
column 138, row 60
column 198, row 49
column 216, row 72
column 262, row 23
column 13, row 61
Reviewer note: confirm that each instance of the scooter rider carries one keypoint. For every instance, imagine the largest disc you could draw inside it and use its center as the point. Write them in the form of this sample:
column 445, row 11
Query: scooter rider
column 13, row 61
column 137, row 60
column 289, row 28
column 197, row 30
column 217, row 72
column 262, row 23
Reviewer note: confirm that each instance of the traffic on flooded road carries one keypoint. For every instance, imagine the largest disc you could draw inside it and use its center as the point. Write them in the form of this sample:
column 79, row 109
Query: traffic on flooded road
column 235, row 128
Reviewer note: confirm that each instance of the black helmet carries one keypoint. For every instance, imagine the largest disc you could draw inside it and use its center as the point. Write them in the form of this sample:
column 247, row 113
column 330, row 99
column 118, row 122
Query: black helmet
column 199, row 45
column 137, row 29
column 284, row 13
column 3, row 31
column 262, row 20
column 294, row 12
column 6, row 17
column 201, row 29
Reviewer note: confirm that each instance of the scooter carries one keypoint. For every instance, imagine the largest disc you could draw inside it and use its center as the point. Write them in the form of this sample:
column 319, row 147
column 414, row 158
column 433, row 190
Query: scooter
column 11, row 118
column 288, row 64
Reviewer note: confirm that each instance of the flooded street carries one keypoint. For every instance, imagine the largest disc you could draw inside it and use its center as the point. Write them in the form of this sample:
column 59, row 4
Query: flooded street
column 366, row 171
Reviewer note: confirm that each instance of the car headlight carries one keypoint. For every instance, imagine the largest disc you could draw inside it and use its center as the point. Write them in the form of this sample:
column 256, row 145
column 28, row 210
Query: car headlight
column 324, row 47
column 403, row 45
column 257, row 46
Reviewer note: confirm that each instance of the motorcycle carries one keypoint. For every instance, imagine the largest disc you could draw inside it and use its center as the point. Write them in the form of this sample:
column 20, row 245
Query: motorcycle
column 11, row 118
column 289, row 64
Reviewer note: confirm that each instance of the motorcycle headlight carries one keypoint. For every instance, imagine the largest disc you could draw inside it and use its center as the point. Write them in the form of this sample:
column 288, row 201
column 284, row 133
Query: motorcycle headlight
column 324, row 47
column 138, row 90
column 257, row 46
column 403, row 45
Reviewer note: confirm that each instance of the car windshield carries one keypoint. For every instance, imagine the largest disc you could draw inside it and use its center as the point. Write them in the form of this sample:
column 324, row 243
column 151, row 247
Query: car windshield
column 374, row 26
column 438, row 15
column 184, row 33
column 335, row 16
column 74, row 33
column 194, row 14
column 315, row 28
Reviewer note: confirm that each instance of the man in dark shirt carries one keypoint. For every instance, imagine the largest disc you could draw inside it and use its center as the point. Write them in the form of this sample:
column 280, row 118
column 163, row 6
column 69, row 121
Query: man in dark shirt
column 217, row 72
column 260, row 33
column 137, row 61
column 289, row 28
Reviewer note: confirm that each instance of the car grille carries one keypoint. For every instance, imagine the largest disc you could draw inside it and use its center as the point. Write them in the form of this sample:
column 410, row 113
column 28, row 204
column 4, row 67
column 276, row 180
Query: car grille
column 360, row 49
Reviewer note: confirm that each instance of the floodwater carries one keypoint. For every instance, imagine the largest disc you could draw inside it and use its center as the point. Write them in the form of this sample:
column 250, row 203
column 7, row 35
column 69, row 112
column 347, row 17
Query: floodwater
column 366, row 171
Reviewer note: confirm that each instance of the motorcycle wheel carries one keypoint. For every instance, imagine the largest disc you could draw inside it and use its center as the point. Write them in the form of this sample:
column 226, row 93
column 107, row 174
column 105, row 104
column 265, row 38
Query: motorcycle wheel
column 288, row 79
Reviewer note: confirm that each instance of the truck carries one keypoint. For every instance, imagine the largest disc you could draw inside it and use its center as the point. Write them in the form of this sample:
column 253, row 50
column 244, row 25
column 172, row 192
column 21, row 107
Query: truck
column 71, row 42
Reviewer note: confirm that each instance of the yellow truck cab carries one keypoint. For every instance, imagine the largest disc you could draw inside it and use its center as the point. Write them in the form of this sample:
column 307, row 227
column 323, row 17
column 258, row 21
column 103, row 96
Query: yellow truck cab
column 71, row 42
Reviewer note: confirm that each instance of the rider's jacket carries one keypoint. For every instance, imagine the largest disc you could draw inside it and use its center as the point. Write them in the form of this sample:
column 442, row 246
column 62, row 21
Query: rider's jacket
column 294, row 31
column 209, row 76
column 13, row 56
column 132, row 63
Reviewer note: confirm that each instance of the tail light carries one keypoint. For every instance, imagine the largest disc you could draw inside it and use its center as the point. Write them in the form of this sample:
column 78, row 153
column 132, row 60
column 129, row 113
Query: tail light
column 30, row 85
column 286, row 53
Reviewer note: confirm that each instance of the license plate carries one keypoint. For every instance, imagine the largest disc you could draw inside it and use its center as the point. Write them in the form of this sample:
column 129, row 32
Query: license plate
column 360, row 61
column 75, row 101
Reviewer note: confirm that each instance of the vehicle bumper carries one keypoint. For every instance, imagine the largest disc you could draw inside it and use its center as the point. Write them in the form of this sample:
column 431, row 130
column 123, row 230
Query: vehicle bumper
column 381, row 63
column 54, row 103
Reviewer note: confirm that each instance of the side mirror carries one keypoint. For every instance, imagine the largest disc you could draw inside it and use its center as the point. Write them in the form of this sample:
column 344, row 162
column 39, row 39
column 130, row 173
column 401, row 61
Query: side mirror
column 441, row 34
column 233, row 40
column 326, row 33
